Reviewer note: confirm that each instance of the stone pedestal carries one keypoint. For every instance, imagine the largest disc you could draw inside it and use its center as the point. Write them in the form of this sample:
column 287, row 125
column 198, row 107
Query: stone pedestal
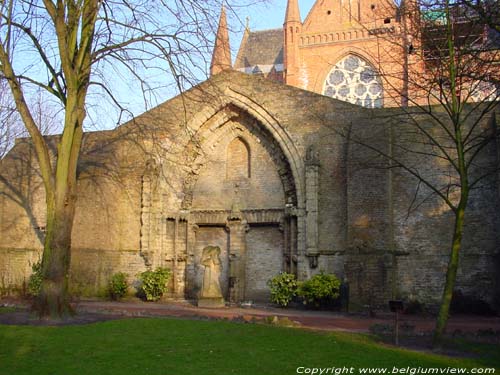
column 212, row 303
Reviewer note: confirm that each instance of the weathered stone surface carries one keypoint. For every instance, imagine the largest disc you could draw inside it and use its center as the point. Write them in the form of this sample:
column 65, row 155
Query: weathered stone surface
column 211, row 303
column 227, row 165
column 210, row 259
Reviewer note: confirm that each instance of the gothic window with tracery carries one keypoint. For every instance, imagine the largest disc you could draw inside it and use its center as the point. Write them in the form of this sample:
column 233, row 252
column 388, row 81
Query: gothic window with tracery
column 356, row 81
column 484, row 91
column 238, row 160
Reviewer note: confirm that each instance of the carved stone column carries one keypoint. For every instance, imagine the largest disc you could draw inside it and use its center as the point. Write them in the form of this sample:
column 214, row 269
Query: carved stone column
column 290, row 239
column 238, row 229
column 190, row 287
column 293, row 245
column 312, row 186
column 148, row 214
column 287, row 253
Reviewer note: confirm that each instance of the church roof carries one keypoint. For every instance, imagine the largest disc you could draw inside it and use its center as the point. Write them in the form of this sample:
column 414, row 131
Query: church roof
column 493, row 38
column 260, row 48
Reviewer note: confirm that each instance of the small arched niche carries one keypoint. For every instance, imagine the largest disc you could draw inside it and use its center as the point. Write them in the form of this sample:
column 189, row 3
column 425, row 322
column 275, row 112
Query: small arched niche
column 238, row 161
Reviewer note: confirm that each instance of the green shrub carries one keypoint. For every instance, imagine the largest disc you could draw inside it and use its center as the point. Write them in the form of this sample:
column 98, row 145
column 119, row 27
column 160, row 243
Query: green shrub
column 118, row 286
column 283, row 288
column 35, row 280
column 154, row 283
column 319, row 289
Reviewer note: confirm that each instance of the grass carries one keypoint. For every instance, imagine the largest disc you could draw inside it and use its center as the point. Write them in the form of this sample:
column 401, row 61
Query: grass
column 477, row 348
column 169, row 346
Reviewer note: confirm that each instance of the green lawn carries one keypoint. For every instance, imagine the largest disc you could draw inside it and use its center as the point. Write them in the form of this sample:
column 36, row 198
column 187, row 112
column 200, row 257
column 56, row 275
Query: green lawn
column 169, row 346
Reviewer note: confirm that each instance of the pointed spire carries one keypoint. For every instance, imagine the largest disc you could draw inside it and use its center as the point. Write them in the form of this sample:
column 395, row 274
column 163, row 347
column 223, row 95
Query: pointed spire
column 292, row 11
column 221, row 57
column 240, row 62
column 292, row 29
column 246, row 33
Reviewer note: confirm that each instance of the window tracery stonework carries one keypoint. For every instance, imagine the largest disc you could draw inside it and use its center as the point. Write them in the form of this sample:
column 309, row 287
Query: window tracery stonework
column 484, row 91
column 356, row 81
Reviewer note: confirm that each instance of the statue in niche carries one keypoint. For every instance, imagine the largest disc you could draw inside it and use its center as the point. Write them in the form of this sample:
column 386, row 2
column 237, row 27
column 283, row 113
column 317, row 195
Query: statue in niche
column 211, row 293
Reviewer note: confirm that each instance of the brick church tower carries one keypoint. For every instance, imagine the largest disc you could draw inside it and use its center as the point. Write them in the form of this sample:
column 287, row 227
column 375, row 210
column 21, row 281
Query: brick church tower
column 354, row 50
column 372, row 53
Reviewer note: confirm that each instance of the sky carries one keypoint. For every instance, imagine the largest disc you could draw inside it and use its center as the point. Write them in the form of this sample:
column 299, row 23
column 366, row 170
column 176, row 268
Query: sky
column 271, row 15
column 267, row 15
column 104, row 114
column 264, row 14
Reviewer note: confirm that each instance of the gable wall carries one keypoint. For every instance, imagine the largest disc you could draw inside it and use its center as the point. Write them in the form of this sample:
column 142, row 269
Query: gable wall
column 361, row 204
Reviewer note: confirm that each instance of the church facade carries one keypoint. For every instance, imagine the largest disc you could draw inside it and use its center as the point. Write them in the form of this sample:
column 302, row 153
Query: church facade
column 270, row 175
column 372, row 53
column 352, row 50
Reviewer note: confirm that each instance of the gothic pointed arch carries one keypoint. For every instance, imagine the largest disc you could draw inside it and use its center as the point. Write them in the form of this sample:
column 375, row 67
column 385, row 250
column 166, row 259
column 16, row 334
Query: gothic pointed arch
column 230, row 126
column 355, row 80
column 264, row 125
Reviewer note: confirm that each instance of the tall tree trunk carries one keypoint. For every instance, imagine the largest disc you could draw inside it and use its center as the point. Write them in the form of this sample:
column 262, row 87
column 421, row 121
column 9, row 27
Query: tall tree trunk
column 451, row 275
column 53, row 300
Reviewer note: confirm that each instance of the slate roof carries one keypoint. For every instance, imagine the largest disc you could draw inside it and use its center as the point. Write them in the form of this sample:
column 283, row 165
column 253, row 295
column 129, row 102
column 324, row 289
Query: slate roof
column 493, row 38
column 261, row 48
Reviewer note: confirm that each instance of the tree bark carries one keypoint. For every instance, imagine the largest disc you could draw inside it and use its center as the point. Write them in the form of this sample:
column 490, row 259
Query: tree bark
column 53, row 301
column 451, row 275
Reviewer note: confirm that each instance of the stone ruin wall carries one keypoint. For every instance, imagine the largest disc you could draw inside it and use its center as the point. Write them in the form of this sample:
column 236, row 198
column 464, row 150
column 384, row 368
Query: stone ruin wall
column 361, row 220
column 106, row 220
column 380, row 226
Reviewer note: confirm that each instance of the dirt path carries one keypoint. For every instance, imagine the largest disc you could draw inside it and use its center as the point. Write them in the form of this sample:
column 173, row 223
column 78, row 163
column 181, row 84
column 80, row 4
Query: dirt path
column 92, row 311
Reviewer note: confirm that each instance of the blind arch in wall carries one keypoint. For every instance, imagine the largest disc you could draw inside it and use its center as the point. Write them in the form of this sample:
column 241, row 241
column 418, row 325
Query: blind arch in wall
column 238, row 160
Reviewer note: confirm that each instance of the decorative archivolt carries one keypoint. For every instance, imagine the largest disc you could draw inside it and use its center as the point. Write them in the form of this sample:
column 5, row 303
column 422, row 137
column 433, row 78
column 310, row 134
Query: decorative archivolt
column 233, row 100
column 238, row 153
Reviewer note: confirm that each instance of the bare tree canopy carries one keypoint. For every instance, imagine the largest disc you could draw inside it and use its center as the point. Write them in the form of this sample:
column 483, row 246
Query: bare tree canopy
column 10, row 126
column 146, row 45
column 444, row 62
column 72, row 49
column 487, row 10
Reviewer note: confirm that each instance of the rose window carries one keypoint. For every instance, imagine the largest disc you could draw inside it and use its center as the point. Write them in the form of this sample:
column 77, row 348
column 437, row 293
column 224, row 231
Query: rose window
column 484, row 91
column 355, row 81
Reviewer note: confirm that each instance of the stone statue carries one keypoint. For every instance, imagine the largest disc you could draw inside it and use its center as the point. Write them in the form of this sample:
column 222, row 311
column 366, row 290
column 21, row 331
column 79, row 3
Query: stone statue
column 211, row 293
